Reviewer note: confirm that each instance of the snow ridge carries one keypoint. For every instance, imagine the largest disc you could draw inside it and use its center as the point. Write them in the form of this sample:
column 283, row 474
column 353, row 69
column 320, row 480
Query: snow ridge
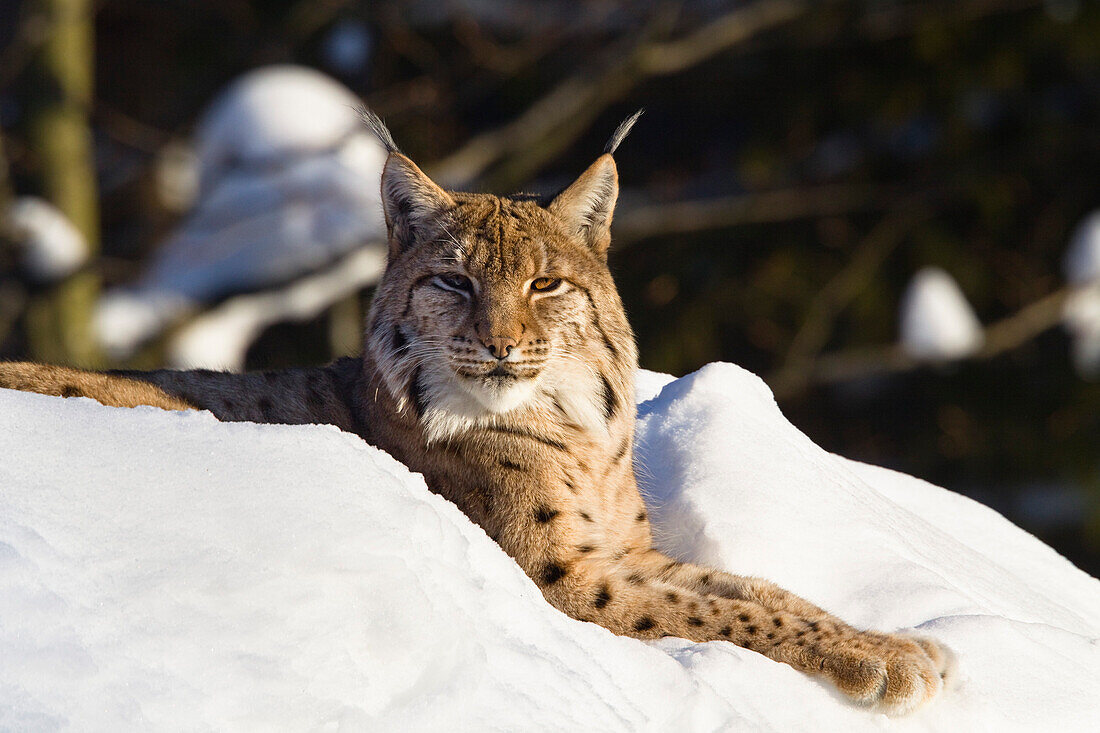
column 166, row 571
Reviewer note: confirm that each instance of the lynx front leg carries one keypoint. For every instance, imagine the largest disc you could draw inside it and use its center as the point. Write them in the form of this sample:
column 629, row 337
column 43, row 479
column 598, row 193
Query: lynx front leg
column 634, row 598
column 769, row 595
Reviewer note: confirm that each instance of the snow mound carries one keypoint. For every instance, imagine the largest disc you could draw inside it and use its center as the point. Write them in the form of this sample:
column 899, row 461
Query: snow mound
column 289, row 185
column 166, row 571
column 270, row 113
column 937, row 323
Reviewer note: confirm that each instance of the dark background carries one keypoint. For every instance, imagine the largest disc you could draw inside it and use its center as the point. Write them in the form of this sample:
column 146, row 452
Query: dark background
column 830, row 150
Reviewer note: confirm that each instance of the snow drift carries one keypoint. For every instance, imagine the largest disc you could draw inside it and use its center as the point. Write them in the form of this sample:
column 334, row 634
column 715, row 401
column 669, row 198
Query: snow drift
column 166, row 571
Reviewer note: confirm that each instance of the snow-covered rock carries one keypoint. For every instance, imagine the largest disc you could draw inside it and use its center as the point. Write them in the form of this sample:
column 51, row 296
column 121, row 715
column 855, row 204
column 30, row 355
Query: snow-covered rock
column 289, row 185
column 166, row 571
column 271, row 113
column 53, row 248
column 937, row 322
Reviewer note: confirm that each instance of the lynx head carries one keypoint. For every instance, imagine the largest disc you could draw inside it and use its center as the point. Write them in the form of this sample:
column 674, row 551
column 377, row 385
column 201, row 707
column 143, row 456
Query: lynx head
column 492, row 305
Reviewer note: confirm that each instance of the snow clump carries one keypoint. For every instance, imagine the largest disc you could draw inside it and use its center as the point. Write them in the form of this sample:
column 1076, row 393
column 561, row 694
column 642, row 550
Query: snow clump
column 937, row 322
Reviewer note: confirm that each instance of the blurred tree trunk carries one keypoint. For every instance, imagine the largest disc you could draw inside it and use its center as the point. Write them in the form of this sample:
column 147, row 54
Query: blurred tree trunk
column 58, row 108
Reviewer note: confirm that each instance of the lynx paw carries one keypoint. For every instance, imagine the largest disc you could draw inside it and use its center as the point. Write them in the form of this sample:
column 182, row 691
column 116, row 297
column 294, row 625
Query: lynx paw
column 894, row 673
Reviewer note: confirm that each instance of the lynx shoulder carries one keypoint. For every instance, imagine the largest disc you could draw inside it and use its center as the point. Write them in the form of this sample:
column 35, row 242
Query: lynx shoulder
column 499, row 363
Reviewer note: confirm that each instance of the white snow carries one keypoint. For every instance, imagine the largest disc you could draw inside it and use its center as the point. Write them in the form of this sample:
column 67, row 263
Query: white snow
column 53, row 247
column 289, row 184
column 166, row 571
column 1081, row 313
column 271, row 113
column 1082, row 260
column 937, row 323
column 1081, row 317
column 220, row 337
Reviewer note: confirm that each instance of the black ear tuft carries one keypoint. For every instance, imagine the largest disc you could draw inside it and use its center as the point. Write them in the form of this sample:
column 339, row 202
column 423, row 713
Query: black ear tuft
column 621, row 132
column 375, row 124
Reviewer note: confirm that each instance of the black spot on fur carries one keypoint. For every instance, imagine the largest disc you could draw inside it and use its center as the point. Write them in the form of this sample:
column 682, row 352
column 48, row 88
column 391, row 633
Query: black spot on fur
column 778, row 622
column 603, row 597
column 642, row 516
column 751, row 629
column 695, row 621
column 585, row 516
column 70, row 390
column 771, row 635
column 743, row 618
column 724, row 631
column 512, row 465
column 645, row 623
column 813, row 625
column 585, row 549
column 267, row 409
column 672, row 597
column 801, row 633
column 544, row 514
column 610, row 400
column 705, row 580
column 553, row 572
column 569, row 485
column 635, row 579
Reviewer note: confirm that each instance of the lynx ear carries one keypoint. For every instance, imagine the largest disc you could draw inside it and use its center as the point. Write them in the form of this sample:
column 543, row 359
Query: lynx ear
column 588, row 204
column 410, row 200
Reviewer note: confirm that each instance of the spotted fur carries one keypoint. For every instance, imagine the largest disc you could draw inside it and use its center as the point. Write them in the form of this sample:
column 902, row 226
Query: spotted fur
column 499, row 364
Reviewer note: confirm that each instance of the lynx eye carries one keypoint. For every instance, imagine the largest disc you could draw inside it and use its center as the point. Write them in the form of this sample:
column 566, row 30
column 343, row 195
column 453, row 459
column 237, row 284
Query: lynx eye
column 545, row 284
column 455, row 282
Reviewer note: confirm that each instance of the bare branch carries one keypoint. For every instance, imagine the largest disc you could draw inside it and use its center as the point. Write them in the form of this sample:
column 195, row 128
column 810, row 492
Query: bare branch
column 831, row 300
column 1001, row 337
column 557, row 119
column 682, row 217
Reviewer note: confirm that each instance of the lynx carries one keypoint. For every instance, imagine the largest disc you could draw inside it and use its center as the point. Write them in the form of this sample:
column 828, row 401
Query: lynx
column 499, row 364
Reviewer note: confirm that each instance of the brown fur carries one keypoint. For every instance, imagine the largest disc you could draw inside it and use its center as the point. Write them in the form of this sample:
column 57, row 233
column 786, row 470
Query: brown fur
column 111, row 390
column 537, row 447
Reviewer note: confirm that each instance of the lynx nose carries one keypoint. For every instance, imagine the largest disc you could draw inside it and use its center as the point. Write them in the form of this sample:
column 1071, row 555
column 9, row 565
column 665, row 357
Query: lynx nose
column 499, row 346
